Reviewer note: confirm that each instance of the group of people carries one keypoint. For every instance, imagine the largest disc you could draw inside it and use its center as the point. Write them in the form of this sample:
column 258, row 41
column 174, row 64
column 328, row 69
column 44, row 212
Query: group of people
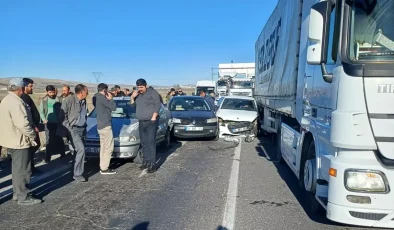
column 172, row 93
column 63, row 117
column 65, row 121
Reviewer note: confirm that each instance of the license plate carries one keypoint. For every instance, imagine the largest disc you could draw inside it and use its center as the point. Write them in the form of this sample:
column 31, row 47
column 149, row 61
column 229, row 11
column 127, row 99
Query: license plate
column 194, row 128
column 92, row 150
column 240, row 129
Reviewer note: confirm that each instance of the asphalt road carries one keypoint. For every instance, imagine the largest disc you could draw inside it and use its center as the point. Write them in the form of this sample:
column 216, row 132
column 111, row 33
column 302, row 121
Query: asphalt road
column 200, row 185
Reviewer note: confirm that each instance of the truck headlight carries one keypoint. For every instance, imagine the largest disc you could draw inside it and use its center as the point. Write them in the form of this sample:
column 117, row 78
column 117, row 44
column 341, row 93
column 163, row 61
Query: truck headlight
column 127, row 139
column 366, row 181
column 176, row 120
column 212, row 120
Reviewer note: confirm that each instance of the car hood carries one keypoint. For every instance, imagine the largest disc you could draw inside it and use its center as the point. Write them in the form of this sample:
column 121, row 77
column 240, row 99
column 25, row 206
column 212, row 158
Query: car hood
column 236, row 115
column 192, row 114
column 120, row 128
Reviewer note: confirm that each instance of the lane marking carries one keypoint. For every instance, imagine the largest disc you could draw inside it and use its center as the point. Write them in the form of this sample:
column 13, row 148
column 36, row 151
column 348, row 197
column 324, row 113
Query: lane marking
column 231, row 201
column 8, row 190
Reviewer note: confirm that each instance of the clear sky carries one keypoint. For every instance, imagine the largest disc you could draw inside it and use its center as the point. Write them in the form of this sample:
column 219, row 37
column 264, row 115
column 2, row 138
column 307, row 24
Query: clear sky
column 164, row 41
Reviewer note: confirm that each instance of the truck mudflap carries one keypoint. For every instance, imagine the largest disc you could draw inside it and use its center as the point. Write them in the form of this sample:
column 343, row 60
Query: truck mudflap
column 379, row 97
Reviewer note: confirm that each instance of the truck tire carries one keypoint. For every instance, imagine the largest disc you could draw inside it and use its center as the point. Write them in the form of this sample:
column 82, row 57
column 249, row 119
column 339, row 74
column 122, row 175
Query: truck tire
column 308, row 180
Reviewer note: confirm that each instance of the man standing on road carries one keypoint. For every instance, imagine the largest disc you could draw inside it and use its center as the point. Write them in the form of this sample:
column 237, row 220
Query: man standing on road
column 66, row 92
column 73, row 116
column 35, row 119
column 180, row 92
column 104, row 106
column 120, row 93
column 17, row 135
column 147, row 102
column 49, row 112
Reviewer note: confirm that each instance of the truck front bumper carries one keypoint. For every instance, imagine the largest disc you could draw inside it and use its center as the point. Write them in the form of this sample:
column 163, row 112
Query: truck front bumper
column 379, row 212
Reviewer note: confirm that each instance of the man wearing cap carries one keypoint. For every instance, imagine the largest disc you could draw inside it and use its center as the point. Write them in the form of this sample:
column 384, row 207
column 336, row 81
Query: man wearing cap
column 17, row 135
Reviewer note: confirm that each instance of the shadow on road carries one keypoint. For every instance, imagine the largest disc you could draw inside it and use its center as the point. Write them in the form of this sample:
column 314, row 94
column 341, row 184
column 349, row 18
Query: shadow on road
column 141, row 226
column 266, row 147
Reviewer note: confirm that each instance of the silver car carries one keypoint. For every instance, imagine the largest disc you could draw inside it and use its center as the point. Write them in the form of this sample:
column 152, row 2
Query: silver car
column 125, row 131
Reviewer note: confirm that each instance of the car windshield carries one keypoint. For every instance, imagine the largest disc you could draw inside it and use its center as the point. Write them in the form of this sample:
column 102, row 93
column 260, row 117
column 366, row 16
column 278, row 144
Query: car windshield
column 123, row 110
column 238, row 104
column 371, row 32
column 188, row 104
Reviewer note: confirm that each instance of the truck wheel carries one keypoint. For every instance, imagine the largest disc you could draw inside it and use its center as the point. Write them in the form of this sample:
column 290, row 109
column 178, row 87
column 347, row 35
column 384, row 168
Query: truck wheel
column 308, row 180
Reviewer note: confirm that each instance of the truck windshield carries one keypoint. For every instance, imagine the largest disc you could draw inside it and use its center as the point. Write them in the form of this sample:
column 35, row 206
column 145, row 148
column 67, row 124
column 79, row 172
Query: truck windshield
column 208, row 90
column 222, row 83
column 371, row 31
column 242, row 84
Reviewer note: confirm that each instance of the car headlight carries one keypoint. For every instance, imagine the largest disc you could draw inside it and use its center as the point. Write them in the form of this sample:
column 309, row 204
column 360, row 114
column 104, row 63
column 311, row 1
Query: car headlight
column 221, row 121
column 176, row 120
column 212, row 120
column 366, row 181
column 127, row 139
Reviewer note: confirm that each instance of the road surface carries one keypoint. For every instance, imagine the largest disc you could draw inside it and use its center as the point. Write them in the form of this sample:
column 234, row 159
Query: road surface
column 199, row 185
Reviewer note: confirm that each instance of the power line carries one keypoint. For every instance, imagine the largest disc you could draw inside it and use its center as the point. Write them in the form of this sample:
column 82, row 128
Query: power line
column 97, row 76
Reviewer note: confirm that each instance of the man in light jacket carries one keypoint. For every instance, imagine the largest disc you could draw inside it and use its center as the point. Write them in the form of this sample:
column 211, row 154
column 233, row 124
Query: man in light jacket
column 17, row 135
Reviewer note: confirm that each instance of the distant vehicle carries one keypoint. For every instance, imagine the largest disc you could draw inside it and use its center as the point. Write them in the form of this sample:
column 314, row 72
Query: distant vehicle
column 125, row 131
column 237, row 115
column 208, row 86
column 241, row 87
column 192, row 117
column 324, row 85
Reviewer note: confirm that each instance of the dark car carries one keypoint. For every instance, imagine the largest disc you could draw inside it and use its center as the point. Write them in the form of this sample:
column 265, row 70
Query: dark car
column 193, row 117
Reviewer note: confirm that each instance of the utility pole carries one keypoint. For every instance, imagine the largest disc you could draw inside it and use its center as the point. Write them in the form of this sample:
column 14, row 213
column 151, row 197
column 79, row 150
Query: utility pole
column 97, row 76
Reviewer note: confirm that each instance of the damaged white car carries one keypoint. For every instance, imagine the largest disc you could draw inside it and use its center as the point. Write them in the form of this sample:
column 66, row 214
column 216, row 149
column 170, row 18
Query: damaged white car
column 125, row 131
column 237, row 116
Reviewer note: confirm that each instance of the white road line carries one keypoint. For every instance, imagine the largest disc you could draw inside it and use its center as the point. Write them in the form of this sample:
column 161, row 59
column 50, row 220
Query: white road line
column 229, row 210
column 8, row 190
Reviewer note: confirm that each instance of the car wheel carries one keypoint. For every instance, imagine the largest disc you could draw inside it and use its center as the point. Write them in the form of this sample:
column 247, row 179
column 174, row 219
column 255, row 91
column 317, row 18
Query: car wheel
column 167, row 139
column 138, row 158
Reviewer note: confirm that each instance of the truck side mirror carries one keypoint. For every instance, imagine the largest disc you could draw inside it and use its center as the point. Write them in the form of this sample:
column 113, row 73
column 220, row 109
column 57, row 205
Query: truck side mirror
column 319, row 23
column 193, row 94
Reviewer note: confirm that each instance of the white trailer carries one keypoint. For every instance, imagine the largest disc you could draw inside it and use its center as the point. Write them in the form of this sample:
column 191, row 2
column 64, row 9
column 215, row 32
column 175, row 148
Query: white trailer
column 325, row 85
column 207, row 86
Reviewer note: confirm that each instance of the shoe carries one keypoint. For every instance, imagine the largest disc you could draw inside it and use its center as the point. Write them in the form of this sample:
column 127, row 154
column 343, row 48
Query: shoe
column 15, row 197
column 151, row 168
column 79, row 179
column 107, row 172
column 144, row 165
column 30, row 201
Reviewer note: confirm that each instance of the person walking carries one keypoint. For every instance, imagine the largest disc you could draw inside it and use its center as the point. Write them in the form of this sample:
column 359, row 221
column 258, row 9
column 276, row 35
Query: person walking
column 148, row 103
column 49, row 113
column 28, row 90
column 17, row 135
column 73, row 116
column 104, row 106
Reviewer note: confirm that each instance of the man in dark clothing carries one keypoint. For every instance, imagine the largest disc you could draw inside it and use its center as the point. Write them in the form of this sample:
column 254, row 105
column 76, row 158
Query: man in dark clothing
column 148, row 103
column 180, row 92
column 66, row 91
column 36, row 120
column 120, row 93
column 49, row 112
column 210, row 99
column 104, row 106
column 73, row 116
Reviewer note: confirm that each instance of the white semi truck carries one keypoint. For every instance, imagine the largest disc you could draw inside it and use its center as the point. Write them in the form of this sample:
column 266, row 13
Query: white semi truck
column 325, row 85
column 241, row 87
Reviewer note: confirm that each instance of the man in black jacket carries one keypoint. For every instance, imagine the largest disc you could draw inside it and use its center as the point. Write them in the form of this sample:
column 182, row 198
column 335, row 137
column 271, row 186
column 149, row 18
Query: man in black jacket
column 148, row 103
column 104, row 106
column 36, row 120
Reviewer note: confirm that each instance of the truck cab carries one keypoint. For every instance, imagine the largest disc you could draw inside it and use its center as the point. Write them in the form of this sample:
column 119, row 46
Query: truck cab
column 241, row 87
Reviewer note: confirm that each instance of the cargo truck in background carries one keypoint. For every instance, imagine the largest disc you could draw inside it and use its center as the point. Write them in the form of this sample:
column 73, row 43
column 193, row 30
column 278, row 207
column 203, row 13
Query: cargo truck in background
column 240, row 87
column 325, row 86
